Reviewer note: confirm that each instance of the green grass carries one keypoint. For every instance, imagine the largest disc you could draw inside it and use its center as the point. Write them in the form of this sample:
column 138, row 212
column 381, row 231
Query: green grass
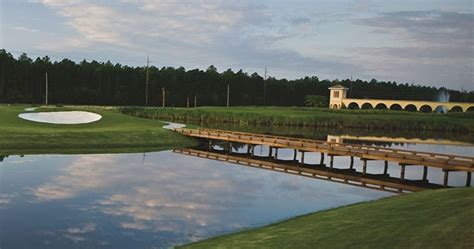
column 431, row 219
column 114, row 133
column 313, row 117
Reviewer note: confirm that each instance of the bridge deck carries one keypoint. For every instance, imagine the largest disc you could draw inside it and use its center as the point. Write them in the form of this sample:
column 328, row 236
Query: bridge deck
column 403, row 157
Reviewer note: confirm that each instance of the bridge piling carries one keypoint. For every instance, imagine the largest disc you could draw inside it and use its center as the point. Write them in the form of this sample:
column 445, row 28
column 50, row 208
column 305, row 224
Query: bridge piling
column 385, row 167
column 351, row 166
column 322, row 159
column 446, row 176
column 295, row 153
column 276, row 154
column 302, row 158
column 364, row 166
column 425, row 173
column 468, row 179
column 402, row 171
column 331, row 162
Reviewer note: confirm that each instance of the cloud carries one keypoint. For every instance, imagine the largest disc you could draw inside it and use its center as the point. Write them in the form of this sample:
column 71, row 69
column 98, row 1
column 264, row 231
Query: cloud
column 432, row 47
column 432, row 27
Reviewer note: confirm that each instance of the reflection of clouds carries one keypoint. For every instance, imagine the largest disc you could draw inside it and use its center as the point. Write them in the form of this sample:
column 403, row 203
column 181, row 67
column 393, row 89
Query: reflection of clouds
column 187, row 197
column 76, row 234
column 5, row 199
column 86, row 173
column 169, row 196
column 85, row 228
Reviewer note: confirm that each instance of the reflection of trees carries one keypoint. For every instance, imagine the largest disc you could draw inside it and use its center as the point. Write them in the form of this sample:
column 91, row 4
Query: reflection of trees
column 2, row 157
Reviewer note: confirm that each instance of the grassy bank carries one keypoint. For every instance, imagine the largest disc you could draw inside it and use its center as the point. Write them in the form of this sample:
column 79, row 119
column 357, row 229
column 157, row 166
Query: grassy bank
column 114, row 133
column 430, row 219
column 311, row 117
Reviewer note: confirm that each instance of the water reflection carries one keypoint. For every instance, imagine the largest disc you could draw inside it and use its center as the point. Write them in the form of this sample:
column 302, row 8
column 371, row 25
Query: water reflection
column 133, row 201
column 348, row 175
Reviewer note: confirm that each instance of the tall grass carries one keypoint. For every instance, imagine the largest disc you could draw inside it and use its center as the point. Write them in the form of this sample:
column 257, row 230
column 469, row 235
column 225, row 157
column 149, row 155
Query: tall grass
column 312, row 117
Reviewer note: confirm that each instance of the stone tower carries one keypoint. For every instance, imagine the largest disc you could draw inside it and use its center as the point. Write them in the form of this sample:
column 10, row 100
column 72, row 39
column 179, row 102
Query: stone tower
column 336, row 95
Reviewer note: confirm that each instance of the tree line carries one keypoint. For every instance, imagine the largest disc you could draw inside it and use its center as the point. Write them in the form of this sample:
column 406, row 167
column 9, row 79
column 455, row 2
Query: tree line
column 22, row 80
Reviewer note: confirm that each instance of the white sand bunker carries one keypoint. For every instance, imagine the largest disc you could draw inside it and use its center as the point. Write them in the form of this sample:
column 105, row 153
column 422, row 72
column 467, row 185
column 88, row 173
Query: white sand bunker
column 69, row 117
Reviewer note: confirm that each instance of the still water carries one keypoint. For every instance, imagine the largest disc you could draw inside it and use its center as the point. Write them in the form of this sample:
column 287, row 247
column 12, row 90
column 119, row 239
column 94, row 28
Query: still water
column 162, row 199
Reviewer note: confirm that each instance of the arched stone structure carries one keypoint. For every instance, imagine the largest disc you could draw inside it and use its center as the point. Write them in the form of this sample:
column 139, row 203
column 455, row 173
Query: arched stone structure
column 410, row 108
column 456, row 109
column 353, row 105
column 441, row 109
column 338, row 99
column 426, row 108
column 381, row 106
column 396, row 107
column 367, row 106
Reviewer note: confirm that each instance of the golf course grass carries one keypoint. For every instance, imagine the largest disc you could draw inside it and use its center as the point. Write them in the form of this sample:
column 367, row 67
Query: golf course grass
column 430, row 219
column 113, row 133
column 314, row 117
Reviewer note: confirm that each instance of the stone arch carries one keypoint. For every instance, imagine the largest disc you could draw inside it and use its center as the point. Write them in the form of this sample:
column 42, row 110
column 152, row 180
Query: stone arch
column 426, row 108
column 456, row 109
column 367, row 106
column 441, row 109
column 395, row 107
column 381, row 106
column 470, row 109
column 353, row 105
column 410, row 108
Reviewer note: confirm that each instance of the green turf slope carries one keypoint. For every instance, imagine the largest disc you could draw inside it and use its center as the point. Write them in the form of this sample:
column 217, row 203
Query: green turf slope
column 430, row 219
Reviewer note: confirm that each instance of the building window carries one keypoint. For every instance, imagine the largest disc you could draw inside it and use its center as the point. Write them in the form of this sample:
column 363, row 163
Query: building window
column 336, row 94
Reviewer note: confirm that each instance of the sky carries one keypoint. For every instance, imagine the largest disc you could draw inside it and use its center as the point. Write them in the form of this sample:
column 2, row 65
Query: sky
column 429, row 42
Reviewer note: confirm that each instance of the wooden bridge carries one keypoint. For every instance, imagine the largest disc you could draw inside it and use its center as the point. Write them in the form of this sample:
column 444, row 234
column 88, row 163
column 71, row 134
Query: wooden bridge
column 403, row 158
column 381, row 182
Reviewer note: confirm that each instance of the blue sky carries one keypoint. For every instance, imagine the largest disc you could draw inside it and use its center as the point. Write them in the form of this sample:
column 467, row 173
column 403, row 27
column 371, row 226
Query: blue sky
column 425, row 42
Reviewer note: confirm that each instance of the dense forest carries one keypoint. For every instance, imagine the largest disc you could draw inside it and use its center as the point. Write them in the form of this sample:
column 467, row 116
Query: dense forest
column 103, row 83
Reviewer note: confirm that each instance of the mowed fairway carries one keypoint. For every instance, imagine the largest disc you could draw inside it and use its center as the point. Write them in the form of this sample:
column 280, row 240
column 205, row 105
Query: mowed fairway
column 430, row 219
column 114, row 133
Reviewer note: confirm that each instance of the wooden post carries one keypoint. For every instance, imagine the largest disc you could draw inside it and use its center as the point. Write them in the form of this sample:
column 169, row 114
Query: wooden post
column 210, row 144
column 352, row 163
column 228, row 94
column 302, row 157
column 248, row 148
column 276, row 154
column 270, row 151
column 385, row 168
column 252, row 150
column 295, row 153
column 331, row 161
column 46, row 78
column 425, row 173
column 446, row 175
column 230, row 147
column 402, row 172
column 321, row 162
column 163, row 94
column 364, row 166
column 468, row 179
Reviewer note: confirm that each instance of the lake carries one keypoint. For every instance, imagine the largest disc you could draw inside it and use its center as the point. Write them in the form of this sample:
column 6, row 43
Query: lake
column 162, row 199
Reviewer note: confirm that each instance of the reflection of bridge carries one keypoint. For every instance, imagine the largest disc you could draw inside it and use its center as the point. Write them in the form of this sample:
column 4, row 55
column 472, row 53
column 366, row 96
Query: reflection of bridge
column 338, row 100
column 366, row 153
column 342, row 138
column 347, row 176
